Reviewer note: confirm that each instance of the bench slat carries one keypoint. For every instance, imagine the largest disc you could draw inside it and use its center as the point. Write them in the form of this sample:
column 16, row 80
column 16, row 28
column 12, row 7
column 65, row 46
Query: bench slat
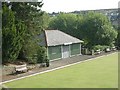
column 21, row 67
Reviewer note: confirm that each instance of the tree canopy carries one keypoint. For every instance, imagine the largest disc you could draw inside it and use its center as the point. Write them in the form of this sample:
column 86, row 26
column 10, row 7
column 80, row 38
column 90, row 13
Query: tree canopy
column 64, row 22
column 92, row 28
column 13, row 35
column 97, row 30
column 21, row 23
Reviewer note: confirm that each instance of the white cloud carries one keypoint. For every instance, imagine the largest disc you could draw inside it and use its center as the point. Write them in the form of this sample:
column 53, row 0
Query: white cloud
column 72, row 5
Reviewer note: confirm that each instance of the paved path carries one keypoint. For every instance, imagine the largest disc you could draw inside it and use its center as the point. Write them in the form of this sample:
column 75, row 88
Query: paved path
column 54, row 64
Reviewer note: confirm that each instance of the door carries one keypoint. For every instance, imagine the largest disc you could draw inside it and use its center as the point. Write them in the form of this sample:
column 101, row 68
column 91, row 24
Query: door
column 66, row 51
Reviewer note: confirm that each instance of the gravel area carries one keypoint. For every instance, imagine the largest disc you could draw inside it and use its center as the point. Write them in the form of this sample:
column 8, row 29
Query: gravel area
column 54, row 64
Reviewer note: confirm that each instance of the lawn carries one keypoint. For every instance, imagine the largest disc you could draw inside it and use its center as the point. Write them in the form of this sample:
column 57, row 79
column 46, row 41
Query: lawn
column 98, row 73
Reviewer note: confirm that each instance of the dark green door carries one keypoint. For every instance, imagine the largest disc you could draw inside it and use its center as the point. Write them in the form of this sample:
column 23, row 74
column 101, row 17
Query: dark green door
column 75, row 49
column 54, row 52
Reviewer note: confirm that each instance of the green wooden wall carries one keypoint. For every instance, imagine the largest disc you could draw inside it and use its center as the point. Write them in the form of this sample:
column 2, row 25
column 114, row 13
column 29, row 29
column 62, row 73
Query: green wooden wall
column 54, row 52
column 75, row 49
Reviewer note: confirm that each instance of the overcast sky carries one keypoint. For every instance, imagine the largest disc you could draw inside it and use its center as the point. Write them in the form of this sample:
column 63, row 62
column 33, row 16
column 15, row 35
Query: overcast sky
column 72, row 5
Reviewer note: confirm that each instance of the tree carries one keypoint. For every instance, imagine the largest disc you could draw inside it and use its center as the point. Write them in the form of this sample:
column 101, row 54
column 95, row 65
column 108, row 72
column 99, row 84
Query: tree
column 64, row 22
column 0, row 27
column 43, row 21
column 20, row 28
column 13, row 33
column 98, row 30
column 118, row 38
column 92, row 28
column 30, row 13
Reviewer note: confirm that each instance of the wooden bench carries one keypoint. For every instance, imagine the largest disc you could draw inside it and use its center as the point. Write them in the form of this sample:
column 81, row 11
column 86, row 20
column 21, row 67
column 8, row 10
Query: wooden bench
column 21, row 68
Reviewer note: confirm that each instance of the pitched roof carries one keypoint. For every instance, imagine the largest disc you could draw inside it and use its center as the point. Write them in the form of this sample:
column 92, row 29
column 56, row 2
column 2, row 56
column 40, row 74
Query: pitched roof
column 56, row 37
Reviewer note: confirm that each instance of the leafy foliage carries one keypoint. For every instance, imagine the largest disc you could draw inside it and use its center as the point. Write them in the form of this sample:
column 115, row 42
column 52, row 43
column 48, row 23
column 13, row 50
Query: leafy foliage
column 13, row 33
column 22, row 22
column 41, row 55
column 31, row 16
column 100, row 47
column 118, row 38
column 92, row 28
column 64, row 22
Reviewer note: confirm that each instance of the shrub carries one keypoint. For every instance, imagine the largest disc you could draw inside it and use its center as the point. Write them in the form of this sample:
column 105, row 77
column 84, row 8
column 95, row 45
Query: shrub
column 32, row 59
column 97, row 47
column 104, row 47
column 29, row 50
column 41, row 55
column 112, row 45
column 101, row 47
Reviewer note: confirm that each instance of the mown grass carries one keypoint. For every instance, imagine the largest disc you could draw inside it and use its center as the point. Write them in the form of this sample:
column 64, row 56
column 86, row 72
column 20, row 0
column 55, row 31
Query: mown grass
column 98, row 73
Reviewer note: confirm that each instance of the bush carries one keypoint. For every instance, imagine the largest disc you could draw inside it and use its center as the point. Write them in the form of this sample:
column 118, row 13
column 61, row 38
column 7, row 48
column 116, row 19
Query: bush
column 32, row 60
column 29, row 50
column 97, row 47
column 102, row 48
column 41, row 55
column 112, row 45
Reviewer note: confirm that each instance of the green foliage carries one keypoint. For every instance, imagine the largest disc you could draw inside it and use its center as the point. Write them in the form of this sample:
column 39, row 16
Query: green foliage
column 32, row 18
column 99, row 47
column 64, row 22
column 30, row 14
column 118, row 38
column 29, row 50
column 43, row 21
column 97, row 30
column 13, row 33
column 32, row 60
column 22, row 23
column 41, row 55
column 92, row 28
